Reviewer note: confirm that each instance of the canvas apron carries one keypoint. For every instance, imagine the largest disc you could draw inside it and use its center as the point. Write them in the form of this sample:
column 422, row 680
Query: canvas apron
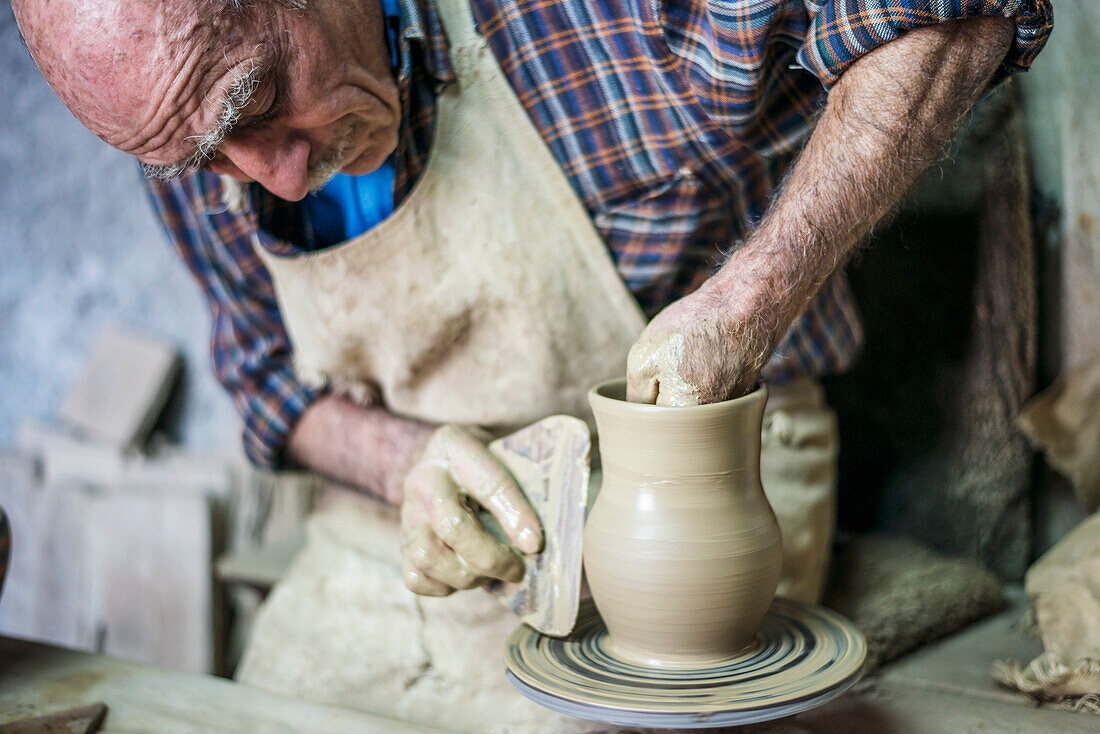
column 487, row 298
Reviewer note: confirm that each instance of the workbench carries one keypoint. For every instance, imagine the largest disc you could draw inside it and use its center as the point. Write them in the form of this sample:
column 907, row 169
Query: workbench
column 944, row 688
column 38, row 679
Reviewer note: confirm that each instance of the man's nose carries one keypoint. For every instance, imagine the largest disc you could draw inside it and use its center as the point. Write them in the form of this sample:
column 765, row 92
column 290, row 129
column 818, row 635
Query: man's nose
column 279, row 163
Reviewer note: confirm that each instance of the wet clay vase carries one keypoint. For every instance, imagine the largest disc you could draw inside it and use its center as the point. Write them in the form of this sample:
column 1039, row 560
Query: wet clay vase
column 681, row 549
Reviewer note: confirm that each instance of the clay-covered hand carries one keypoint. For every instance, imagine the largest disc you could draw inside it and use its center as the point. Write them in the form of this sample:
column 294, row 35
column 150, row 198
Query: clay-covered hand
column 698, row 350
column 444, row 545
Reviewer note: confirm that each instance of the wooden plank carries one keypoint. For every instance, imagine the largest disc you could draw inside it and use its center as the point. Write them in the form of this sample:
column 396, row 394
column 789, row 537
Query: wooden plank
column 46, row 590
column 550, row 462
column 123, row 388
column 107, row 569
column 38, row 679
column 83, row 720
column 66, row 457
column 151, row 595
column 1064, row 111
column 894, row 709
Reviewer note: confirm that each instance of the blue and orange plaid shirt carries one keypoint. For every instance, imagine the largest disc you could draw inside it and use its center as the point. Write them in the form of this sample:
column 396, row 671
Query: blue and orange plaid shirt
column 674, row 121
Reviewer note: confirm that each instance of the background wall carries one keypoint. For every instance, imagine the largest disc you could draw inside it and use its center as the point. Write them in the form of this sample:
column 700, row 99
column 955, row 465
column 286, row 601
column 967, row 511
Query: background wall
column 80, row 250
column 1062, row 106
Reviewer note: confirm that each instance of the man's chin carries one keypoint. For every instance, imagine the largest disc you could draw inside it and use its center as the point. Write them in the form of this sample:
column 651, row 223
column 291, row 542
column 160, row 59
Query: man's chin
column 364, row 164
column 368, row 160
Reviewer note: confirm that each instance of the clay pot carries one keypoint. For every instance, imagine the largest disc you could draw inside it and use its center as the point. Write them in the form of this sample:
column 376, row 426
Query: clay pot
column 681, row 549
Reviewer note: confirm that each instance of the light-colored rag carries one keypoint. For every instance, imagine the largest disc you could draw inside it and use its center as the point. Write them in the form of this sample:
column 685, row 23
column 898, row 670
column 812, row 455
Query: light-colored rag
column 1063, row 422
column 1064, row 585
column 1064, row 590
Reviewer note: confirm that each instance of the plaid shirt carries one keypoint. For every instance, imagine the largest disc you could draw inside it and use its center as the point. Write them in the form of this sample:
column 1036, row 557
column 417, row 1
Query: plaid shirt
column 673, row 121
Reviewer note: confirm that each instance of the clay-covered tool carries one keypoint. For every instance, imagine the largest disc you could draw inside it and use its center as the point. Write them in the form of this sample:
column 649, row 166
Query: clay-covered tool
column 803, row 657
column 550, row 461
column 83, row 720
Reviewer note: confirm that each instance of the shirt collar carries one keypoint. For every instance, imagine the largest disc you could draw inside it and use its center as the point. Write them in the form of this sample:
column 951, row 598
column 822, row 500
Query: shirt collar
column 423, row 43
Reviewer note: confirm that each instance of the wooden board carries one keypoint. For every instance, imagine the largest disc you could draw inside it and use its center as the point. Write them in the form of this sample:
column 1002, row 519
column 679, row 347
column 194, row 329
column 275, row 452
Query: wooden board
column 123, row 571
column 38, row 679
column 123, row 389
column 83, row 720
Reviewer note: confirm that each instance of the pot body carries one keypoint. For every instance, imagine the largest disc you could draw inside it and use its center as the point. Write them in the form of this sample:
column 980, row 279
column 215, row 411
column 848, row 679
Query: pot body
column 681, row 549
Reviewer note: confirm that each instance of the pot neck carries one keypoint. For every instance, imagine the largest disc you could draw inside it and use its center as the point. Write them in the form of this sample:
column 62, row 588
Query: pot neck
column 685, row 441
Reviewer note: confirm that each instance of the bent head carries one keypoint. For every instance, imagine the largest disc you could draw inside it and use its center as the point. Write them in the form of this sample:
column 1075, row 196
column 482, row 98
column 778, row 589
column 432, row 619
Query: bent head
column 285, row 93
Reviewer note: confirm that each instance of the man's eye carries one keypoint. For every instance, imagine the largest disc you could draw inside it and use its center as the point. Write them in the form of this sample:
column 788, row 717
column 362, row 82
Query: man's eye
column 261, row 108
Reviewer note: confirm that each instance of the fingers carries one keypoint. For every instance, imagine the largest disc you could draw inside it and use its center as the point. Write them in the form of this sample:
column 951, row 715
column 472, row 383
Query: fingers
column 641, row 373
column 654, row 370
column 419, row 583
column 425, row 553
column 454, row 523
column 421, row 551
column 485, row 479
column 445, row 546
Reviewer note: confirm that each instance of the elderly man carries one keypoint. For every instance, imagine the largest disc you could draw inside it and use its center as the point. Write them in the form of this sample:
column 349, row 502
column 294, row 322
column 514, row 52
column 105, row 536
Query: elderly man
column 414, row 221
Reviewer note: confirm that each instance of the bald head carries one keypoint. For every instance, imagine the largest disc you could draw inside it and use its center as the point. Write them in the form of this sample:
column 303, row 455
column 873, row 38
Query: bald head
column 263, row 91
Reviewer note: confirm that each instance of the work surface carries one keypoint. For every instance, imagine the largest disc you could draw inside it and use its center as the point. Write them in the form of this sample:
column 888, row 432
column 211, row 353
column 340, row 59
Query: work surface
column 38, row 679
column 943, row 689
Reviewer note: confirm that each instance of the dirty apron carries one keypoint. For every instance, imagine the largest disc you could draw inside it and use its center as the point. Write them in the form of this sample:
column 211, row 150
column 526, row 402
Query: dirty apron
column 487, row 298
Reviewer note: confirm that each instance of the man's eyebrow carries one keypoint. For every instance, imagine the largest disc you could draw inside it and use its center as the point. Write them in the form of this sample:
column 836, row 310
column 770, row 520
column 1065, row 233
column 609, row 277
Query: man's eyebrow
column 239, row 94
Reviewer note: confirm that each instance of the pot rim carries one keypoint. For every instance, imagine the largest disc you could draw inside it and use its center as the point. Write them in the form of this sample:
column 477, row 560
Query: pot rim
column 597, row 396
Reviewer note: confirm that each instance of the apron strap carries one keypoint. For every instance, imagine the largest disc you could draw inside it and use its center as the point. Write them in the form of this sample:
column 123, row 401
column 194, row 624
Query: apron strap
column 458, row 22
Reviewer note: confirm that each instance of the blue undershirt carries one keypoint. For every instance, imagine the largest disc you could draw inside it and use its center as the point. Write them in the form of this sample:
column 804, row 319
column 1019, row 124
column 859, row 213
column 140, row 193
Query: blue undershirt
column 348, row 206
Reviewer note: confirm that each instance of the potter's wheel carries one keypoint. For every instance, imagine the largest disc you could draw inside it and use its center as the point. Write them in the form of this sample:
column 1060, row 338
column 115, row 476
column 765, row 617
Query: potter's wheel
column 806, row 655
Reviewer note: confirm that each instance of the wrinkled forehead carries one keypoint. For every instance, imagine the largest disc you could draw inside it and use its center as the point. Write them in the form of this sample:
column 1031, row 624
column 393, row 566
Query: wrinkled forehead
column 140, row 74
column 78, row 40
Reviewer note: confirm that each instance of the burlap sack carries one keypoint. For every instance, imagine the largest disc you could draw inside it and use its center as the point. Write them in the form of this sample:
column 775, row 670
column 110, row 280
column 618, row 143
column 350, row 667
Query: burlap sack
column 1063, row 422
column 1064, row 585
column 1064, row 589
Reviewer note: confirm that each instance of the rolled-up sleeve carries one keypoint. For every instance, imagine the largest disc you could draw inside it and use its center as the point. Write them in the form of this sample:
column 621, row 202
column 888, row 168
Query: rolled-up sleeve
column 841, row 31
column 249, row 345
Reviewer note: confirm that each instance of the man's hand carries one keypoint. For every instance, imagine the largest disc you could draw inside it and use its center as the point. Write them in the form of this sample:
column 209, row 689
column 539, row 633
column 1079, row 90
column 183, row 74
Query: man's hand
column 701, row 349
column 887, row 119
column 439, row 476
column 444, row 545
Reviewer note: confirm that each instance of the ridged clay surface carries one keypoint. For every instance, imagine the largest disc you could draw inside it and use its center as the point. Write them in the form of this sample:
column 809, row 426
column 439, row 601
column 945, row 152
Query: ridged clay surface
column 681, row 549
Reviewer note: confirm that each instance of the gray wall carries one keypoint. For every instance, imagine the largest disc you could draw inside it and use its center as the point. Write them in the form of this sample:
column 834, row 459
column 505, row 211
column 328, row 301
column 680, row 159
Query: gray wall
column 1062, row 102
column 80, row 250
column 1062, row 105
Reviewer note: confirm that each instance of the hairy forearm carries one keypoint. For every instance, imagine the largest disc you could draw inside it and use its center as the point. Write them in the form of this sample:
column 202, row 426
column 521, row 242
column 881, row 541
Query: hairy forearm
column 368, row 448
column 887, row 119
